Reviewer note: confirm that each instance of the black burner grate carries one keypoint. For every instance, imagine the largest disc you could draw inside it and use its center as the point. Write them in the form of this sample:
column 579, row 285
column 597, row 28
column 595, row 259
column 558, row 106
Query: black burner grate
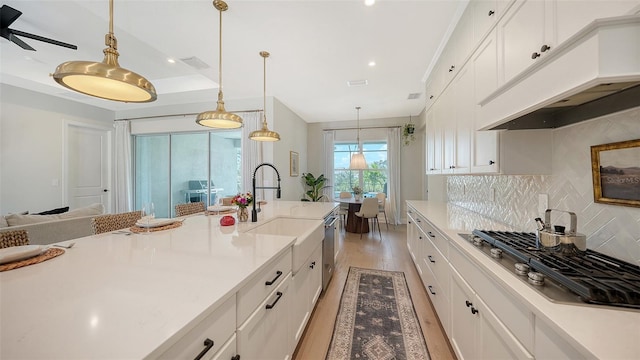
column 595, row 277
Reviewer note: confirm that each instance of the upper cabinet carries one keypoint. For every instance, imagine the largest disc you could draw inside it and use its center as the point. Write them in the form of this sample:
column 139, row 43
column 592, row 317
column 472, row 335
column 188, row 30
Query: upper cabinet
column 485, row 16
column 525, row 34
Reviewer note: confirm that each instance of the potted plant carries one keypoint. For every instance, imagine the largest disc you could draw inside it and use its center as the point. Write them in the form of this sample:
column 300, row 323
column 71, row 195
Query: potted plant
column 315, row 185
column 407, row 133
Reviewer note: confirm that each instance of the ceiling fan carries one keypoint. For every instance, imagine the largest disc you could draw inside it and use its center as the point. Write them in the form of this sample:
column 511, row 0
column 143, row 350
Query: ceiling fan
column 7, row 16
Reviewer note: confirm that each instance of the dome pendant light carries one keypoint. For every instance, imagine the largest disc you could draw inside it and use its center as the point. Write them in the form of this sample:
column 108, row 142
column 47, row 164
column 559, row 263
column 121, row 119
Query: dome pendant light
column 106, row 79
column 219, row 118
column 264, row 134
column 358, row 161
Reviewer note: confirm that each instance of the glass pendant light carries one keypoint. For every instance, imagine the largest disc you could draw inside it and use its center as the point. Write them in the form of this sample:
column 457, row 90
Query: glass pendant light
column 219, row 118
column 358, row 161
column 264, row 134
column 106, row 79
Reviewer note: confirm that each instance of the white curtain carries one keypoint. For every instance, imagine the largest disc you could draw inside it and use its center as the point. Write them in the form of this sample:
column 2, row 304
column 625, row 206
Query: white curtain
column 251, row 150
column 393, row 186
column 329, row 137
column 123, row 189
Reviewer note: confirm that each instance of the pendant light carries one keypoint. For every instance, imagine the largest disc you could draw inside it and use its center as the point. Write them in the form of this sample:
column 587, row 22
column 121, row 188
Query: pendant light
column 264, row 134
column 219, row 118
column 106, row 79
column 358, row 161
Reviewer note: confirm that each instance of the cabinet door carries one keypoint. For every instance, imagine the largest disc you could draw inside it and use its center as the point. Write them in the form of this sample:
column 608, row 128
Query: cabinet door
column 494, row 339
column 315, row 278
column 228, row 350
column 265, row 334
column 522, row 33
column 445, row 117
column 299, row 311
column 434, row 141
column 464, row 110
column 484, row 17
column 464, row 323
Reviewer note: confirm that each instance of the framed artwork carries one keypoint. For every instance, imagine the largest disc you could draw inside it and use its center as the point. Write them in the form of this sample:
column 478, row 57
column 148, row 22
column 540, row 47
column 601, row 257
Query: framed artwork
column 294, row 163
column 616, row 173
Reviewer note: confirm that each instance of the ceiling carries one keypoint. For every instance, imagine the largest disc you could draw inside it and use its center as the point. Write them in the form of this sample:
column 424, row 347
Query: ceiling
column 316, row 48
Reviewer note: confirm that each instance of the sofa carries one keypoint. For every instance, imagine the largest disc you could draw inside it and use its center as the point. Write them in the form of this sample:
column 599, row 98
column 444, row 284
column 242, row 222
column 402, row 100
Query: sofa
column 51, row 228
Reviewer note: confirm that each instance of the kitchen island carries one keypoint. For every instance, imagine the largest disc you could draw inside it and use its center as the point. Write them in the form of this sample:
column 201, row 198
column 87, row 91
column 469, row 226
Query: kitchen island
column 516, row 316
column 133, row 296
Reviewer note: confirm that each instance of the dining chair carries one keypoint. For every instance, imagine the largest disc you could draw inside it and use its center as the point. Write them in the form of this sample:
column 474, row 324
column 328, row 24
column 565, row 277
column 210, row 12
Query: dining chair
column 112, row 222
column 189, row 208
column 369, row 210
column 382, row 204
column 13, row 238
column 343, row 210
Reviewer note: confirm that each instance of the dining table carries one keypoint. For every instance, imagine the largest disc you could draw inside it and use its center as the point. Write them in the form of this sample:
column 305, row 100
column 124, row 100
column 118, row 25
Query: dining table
column 354, row 223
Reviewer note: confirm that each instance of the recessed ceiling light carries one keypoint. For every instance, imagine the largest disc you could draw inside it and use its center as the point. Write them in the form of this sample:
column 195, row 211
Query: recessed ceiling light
column 369, row 2
column 372, row 63
column 171, row 61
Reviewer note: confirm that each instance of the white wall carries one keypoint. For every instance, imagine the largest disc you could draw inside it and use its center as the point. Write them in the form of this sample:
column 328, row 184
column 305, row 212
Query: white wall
column 31, row 147
column 293, row 137
column 412, row 163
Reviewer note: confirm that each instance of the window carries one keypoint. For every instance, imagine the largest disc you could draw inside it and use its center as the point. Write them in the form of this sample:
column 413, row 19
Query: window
column 373, row 180
column 173, row 169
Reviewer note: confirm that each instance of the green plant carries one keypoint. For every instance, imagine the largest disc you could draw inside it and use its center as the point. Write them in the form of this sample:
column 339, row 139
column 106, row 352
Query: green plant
column 407, row 133
column 315, row 185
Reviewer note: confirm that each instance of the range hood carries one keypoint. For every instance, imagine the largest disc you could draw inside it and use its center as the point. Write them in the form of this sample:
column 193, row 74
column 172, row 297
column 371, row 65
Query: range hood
column 594, row 73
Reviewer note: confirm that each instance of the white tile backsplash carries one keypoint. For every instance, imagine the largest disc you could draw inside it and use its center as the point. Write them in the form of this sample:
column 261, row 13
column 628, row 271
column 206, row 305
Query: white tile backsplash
column 610, row 229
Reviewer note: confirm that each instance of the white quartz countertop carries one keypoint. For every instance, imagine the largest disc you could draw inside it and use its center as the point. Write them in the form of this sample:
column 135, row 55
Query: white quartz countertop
column 123, row 296
column 599, row 332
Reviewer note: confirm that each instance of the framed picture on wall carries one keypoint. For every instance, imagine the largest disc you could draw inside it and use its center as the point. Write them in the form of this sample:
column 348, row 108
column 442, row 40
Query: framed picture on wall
column 616, row 173
column 294, row 163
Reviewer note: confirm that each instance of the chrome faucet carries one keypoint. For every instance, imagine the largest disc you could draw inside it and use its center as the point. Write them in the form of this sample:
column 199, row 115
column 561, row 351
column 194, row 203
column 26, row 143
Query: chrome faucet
column 254, row 212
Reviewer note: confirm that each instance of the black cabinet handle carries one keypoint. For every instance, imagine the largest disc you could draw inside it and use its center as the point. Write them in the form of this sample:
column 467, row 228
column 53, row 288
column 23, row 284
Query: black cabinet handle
column 313, row 263
column 430, row 258
column 468, row 303
column 431, row 234
column 420, row 237
column 491, row 12
column 431, row 290
column 535, row 55
column 208, row 344
column 474, row 310
column 451, row 68
column 270, row 306
column 431, row 97
column 544, row 48
column 278, row 273
column 491, row 162
column 237, row 357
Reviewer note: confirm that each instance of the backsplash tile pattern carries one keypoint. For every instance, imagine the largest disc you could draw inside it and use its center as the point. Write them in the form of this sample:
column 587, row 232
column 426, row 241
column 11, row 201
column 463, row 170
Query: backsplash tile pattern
column 613, row 230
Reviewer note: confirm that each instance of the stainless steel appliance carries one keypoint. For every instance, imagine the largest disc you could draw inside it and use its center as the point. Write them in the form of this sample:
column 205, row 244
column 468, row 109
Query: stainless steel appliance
column 587, row 278
column 328, row 249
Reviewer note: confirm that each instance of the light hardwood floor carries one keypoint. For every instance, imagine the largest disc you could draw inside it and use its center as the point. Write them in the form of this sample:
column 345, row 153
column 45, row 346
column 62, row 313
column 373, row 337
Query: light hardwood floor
column 369, row 252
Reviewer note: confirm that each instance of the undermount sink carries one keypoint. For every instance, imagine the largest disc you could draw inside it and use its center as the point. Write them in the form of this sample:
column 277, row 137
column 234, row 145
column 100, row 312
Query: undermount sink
column 309, row 233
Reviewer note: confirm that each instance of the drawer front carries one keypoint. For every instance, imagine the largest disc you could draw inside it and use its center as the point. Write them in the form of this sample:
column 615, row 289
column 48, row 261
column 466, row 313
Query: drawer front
column 508, row 309
column 437, row 264
column 438, row 297
column 262, row 285
column 219, row 326
column 265, row 334
column 227, row 351
column 440, row 242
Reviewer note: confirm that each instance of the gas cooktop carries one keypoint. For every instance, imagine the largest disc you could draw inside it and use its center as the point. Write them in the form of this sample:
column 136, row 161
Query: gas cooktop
column 589, row 278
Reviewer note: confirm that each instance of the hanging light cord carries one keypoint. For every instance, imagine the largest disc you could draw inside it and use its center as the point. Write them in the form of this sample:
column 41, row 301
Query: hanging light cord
column 264, row 91
column 358, row 108
column 220, row 54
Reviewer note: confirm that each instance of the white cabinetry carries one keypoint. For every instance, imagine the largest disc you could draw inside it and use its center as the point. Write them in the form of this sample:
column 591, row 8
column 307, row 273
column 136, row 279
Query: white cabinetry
column 525, row 34
column 306, row 289
column 433, row 140
column 208, row 337
column 550, row 345
column 265, row 334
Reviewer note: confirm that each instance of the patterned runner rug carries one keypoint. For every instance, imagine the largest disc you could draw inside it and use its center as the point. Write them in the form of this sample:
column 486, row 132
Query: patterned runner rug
column 376, row 319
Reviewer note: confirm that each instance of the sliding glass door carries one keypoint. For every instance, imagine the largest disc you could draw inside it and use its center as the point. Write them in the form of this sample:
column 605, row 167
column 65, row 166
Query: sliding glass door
column 173, row 169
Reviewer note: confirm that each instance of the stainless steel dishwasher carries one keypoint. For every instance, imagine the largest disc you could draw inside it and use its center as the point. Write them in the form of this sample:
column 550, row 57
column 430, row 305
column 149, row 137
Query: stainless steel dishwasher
column 328, row 249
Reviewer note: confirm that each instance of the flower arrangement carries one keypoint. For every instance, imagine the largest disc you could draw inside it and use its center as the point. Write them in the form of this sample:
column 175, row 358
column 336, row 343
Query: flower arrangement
column 407, row 133
column 242, row 200
column 357, row 190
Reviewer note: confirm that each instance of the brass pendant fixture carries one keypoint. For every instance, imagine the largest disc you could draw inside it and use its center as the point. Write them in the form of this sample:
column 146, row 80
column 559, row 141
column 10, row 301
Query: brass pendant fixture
column 358, row 161
column 264, row 134
column 219, row 118
column 106, row 79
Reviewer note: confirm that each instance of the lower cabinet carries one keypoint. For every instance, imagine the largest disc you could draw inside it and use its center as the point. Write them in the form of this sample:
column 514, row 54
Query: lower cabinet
column 228, row 351
column 476, row 332
column 264, row 335
column 306, row 286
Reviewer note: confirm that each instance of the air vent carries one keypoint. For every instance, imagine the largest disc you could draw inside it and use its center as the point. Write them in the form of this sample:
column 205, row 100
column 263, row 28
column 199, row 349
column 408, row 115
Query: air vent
column 357, row 83
column 194, row 62
column 413, row 96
